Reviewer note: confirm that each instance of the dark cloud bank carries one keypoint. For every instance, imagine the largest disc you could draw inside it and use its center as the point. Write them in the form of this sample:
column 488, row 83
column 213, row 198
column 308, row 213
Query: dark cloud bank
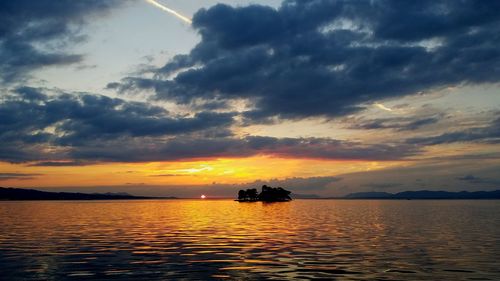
column 58, row 129
column 306, row 59
column 487, row 134
column 328, row 58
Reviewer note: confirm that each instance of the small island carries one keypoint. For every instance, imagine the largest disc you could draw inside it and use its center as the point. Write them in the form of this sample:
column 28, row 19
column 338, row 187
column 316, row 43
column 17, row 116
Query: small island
column 268, row 194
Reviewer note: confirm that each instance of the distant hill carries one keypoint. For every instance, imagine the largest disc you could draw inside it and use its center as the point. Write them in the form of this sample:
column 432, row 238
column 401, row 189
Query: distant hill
column 426, row 194
column 31, row 194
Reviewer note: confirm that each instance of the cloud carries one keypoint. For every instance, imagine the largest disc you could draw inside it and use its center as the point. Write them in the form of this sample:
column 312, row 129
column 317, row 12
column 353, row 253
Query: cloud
column 60, row 129
column 34, row 34
column 189, row 148
column 80, row 117
column 17, row 176
column 169, row 175
column 381, row 186
column 60, row 164
column 307, row 59
column 489, row 133
column 33, row 122
column 397, row 123
column 327, row 58
column 478, row 180
column 296, row 184
column 469, row 178
column 436, row 174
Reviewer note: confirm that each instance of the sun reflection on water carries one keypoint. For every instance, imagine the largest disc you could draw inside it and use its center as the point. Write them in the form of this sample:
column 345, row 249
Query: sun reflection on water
column 216, row 239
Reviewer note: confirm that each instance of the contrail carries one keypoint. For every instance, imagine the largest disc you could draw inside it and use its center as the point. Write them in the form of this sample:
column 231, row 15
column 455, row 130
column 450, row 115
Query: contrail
column 168, row 10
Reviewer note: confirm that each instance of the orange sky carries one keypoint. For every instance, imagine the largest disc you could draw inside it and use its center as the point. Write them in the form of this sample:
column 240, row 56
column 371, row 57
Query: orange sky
column 223, row 171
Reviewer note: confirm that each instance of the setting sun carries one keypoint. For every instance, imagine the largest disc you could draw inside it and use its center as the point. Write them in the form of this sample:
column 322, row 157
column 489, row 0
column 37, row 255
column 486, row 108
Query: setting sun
column 203, row 196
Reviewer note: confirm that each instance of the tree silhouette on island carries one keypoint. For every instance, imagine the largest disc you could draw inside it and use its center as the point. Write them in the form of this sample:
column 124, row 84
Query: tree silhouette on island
column 268, row 194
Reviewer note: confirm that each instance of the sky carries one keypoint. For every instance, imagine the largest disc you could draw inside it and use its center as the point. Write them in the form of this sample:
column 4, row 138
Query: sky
column 183, row 98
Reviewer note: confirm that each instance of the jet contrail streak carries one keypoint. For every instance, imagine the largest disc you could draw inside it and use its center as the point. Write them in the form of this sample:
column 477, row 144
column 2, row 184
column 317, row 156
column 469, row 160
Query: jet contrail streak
column 170, row 11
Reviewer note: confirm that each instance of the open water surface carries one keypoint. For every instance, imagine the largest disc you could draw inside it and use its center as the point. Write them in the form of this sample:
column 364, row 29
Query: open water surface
column 223, row 239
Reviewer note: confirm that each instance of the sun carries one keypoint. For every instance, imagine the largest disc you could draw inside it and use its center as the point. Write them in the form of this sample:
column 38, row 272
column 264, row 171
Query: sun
column 203, row 196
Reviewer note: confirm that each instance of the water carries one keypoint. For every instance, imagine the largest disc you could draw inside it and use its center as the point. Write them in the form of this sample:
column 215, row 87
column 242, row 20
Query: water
column 222, row 239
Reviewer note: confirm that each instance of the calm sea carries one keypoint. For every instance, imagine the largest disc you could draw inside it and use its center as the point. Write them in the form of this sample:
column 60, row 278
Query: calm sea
column 222, row 239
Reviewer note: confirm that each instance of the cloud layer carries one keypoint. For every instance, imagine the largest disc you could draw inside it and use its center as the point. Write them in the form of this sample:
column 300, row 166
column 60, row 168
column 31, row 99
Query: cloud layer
column 50, row 127
column 34, row 34
column 329, row 58
column 17, row 176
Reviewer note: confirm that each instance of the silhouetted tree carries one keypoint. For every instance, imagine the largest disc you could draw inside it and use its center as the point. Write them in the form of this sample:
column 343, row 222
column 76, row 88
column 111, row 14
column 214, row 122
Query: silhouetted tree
column 242, row 195
column 268, row 194
column 252, row 194
column 283, row 194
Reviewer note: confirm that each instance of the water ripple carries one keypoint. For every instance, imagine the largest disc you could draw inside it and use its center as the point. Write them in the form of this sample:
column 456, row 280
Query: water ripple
column 217, row 240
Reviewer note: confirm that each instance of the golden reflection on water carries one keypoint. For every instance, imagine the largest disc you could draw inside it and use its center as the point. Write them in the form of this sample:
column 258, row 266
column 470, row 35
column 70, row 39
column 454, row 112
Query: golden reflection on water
column 222, row 239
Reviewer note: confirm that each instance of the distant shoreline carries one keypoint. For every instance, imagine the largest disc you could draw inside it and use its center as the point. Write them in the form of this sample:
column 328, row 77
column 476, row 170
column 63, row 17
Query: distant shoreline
column 232, row 199
column 20, row 194
column 425, row 195
column 395, row 199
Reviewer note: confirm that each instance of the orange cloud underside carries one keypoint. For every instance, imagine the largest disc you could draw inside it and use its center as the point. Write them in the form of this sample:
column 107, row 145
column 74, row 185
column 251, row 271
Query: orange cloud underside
column 225, row 171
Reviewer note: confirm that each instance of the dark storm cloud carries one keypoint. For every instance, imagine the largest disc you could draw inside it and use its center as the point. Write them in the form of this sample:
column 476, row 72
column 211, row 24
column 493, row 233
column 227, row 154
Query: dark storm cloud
column 33, row 34
column 489, row 134
column 17, row 176
column 328, row 58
